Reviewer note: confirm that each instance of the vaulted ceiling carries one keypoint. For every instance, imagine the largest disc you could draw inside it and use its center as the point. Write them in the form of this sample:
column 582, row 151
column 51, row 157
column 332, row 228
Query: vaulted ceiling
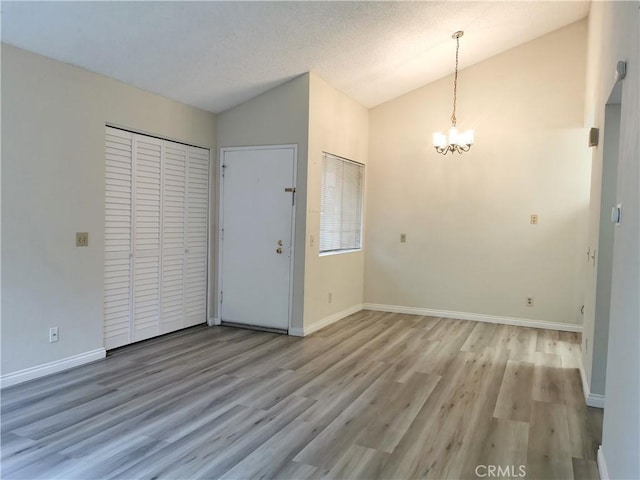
column 215, row 55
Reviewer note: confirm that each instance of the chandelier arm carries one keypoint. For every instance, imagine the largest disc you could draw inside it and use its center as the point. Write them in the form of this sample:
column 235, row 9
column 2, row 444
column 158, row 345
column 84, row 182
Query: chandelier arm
column 453, row 149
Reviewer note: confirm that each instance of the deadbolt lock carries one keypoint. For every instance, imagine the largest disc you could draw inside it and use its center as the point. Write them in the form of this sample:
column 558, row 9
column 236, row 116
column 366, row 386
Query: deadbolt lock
column 279, row 243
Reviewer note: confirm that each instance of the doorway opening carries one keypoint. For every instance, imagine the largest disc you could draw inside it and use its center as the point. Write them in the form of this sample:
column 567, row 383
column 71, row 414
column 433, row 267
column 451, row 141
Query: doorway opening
column 603, row 253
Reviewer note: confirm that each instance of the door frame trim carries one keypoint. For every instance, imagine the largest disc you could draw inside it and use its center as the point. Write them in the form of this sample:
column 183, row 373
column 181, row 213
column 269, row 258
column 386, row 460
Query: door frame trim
column 220, row 241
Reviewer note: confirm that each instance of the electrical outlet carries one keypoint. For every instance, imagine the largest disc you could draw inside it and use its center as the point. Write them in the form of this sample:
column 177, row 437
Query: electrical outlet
column 534, row 219
column 529, row 301
column 403, row 238
column 53, row 334
column 82, row 239
column 330, row 297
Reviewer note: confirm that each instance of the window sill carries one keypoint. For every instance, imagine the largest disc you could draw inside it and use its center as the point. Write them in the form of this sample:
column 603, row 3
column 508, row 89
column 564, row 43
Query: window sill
column 340, row 252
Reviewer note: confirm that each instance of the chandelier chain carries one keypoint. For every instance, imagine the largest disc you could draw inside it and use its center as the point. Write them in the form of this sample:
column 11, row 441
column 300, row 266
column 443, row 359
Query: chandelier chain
column 455, row 84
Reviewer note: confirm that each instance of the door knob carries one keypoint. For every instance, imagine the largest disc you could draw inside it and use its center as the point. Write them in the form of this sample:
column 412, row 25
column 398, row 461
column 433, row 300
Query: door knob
column 279, row 250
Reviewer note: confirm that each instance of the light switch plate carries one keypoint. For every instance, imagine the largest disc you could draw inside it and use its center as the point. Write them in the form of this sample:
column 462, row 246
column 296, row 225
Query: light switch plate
column 403, row 238
column 53, row 334
column 82, row 239
column 616, row 214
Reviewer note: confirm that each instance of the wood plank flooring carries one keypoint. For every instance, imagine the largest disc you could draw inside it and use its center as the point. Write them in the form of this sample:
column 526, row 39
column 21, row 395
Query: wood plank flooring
column 375, row 395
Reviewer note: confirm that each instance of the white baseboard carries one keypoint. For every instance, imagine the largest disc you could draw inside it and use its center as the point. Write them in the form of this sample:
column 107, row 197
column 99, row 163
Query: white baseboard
column 591, row 399
column 477, row 317
column 315, row 326
column 212, row 321
column 52, row 367
column 602, row 466
column 595, row 400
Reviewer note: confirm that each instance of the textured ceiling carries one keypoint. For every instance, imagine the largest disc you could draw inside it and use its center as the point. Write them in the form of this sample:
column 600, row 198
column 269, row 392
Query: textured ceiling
column 215, row 55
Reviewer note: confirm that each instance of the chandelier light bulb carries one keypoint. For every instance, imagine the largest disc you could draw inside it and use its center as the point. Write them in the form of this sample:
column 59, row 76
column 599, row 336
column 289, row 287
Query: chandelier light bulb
column 453, row 136
column 439, row 139
column 468, row 137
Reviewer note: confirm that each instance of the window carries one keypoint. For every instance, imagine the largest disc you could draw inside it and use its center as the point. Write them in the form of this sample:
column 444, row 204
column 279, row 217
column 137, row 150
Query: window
column 340, row 204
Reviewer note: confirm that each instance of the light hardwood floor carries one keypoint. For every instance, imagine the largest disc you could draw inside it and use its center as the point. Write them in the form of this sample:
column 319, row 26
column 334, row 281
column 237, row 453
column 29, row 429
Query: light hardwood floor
column 375, row 395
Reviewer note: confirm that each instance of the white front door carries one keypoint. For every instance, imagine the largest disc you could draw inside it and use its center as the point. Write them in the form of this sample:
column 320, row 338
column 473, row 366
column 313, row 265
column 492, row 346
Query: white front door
column 256, row 236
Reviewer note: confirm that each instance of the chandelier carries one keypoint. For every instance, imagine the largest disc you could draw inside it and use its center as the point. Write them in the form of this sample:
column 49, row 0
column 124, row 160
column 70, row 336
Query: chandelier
column 456, row 141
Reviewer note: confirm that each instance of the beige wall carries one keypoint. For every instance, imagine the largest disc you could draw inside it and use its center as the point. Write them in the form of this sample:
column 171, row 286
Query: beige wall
column 53, row 119
column 614, row 35
column 470, row 247
column 279, row 116
column 337, row 125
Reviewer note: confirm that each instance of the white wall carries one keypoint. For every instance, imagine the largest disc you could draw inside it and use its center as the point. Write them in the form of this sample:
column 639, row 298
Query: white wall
column 614, row 34
column 53, row 119
column 470, row 246
column 337, row 125
column 279, row 116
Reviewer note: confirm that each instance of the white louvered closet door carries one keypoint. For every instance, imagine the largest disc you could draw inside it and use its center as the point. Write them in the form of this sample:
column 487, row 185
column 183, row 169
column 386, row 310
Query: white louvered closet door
column 147, row 163
column 196, row 224
column 118, row 237
column 173, row 237
column 156, row 211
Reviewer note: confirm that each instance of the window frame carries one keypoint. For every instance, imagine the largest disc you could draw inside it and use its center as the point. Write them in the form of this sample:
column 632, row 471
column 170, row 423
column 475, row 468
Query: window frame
column 361, row 201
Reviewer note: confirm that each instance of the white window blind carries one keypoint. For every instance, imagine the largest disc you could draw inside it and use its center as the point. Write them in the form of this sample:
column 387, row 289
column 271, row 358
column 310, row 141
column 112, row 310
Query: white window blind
column 340, row 204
